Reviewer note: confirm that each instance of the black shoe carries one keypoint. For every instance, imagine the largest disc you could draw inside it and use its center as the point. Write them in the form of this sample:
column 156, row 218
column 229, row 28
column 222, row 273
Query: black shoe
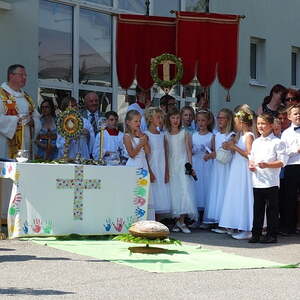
column 254, row 239
column 283, row 233
column 267, row 239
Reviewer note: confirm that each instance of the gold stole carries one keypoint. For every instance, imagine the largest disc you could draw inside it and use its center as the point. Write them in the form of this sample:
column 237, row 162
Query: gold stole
column 11, row 109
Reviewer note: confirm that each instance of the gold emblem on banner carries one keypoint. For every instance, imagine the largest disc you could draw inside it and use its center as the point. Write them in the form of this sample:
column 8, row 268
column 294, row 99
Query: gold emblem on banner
column 166, row 60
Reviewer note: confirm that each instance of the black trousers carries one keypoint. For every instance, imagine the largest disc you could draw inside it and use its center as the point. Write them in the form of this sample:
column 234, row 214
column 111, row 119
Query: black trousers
column 265, row 197
column 281, row 204
column 292, row 185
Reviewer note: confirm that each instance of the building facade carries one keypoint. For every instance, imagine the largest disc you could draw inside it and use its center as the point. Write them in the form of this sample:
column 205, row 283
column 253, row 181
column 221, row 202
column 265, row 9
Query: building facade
column 68, row 47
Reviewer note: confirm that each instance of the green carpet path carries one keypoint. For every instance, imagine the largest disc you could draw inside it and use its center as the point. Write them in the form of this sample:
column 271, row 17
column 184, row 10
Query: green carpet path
column 178, row 259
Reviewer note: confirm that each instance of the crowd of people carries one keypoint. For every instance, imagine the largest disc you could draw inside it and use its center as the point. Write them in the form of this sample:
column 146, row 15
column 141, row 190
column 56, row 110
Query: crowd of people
column 236, row 172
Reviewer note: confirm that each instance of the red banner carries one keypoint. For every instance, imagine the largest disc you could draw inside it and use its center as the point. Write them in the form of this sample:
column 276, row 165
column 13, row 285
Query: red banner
column 140, row 38
column 207, row 44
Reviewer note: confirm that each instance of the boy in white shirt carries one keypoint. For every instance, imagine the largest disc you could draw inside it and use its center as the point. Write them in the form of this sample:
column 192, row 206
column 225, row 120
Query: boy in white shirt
column 267, row 157
column 291, row 137
column 113, row 137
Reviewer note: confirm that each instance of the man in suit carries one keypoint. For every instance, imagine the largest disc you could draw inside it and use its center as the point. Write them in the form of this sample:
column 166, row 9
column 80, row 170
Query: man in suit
column 91, row 109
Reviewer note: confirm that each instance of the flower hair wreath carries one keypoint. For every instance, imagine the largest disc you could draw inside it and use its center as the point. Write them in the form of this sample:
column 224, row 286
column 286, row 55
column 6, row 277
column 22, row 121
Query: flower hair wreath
column 244, row 115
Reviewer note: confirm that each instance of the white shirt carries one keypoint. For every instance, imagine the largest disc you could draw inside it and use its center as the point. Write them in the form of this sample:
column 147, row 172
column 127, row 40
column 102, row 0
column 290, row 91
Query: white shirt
column 112, row 143
column 267, row 149
column 291, row 138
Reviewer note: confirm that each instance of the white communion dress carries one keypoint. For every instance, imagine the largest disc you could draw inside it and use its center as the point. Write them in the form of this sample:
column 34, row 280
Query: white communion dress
column 202, row 168
column 182, row 186
column 237, row 211
column 160, row 191
column 218, row 184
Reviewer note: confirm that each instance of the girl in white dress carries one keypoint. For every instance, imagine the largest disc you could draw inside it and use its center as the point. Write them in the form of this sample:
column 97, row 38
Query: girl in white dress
column 137, row 146
column 136, row 142
column 202, row 158
column 220, row 171
column 187, row 115
column 237, row 211
column 158, row 162
column 182, row 186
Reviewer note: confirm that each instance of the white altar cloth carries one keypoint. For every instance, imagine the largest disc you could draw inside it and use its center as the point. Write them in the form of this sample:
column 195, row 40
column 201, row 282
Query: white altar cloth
column 56, row 199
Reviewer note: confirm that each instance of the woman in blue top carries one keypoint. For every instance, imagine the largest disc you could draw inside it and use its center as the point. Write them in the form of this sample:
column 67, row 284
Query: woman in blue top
column 46, row 139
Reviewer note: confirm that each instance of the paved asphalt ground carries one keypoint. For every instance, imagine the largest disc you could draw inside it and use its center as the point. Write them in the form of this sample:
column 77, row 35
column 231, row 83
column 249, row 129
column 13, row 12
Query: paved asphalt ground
column 31, row 271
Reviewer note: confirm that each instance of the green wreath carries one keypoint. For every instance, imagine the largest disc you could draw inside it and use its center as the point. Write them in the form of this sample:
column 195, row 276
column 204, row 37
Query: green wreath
column 154, row 70
column 69, row 124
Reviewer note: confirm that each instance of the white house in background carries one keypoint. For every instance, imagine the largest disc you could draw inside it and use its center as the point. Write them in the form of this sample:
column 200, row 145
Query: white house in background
column 68, row 46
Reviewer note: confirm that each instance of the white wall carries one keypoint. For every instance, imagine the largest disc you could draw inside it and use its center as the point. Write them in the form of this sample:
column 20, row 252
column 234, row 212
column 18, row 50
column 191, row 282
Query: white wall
column 276, row 21
column 19, row 40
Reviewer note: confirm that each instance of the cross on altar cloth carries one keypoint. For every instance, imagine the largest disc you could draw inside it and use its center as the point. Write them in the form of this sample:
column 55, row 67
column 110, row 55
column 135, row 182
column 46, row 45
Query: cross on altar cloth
column 78, row 184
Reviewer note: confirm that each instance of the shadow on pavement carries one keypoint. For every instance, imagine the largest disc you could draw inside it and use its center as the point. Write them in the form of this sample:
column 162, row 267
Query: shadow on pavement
column 6, row 249
column 34, row 292
column 204, row 237
column 14, row 258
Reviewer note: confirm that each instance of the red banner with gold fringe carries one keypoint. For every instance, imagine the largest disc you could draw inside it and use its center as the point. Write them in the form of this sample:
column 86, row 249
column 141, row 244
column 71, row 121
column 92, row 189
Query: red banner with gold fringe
column 207, row 43
column 208, row 46
column 140, row 38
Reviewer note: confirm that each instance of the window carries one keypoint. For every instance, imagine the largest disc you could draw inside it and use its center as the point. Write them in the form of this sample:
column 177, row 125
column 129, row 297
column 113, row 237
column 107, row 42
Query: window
column 75, row 50
column 55, row 42
column 197, row 5
column 56, row 95
column 137, row 6
column 95, row 48
column 295, row 76
column 253, row 60
column 102, row 2
column 257, row 61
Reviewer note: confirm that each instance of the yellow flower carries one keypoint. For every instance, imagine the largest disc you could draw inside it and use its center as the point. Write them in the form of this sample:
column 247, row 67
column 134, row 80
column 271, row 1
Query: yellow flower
column 17, row 176
column 14, row 228
column 142, row 181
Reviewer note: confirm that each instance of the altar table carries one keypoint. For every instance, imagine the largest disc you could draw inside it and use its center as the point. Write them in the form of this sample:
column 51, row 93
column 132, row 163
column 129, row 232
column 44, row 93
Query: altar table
column 61, row 199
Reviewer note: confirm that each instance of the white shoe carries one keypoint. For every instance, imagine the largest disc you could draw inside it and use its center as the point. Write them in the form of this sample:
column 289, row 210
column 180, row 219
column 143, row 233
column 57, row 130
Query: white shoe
column 231, row 232
column 175, row 229
column 219, row 230
column 183, row 227
column 244, row 235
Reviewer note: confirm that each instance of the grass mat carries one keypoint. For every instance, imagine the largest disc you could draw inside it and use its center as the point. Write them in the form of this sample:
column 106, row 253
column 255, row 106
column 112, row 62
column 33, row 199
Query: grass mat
column 178, row 258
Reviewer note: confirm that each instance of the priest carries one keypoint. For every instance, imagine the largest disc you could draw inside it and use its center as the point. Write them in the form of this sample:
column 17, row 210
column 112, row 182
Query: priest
column 19, row 121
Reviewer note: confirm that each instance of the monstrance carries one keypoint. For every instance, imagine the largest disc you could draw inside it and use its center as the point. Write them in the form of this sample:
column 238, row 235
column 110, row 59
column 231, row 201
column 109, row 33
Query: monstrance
column 70, row 126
